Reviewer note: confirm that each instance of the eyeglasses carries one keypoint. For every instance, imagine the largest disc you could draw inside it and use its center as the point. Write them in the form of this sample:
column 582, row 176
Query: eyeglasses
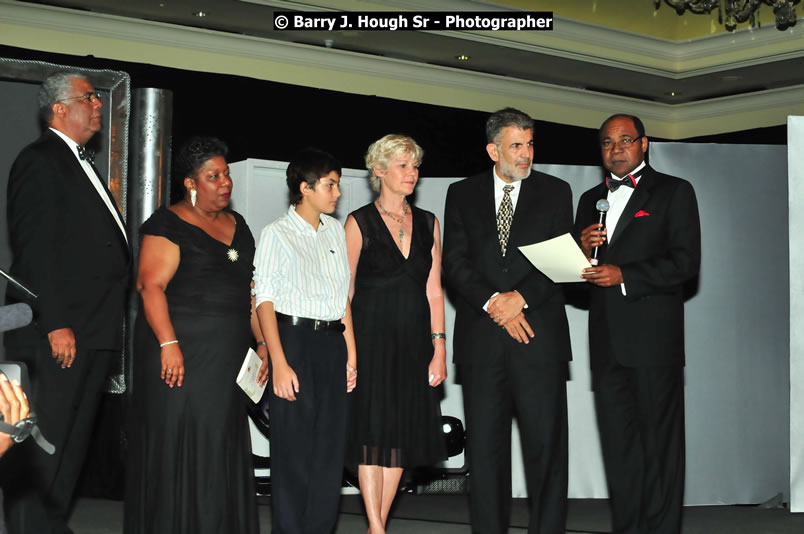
column 623, row 143
column 90, row 97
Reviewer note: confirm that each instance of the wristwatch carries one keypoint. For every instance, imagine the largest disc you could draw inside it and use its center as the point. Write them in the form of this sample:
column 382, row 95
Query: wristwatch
column 19, row 431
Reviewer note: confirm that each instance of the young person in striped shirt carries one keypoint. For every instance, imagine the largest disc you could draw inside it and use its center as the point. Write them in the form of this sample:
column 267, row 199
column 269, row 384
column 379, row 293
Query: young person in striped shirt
column 301, row 281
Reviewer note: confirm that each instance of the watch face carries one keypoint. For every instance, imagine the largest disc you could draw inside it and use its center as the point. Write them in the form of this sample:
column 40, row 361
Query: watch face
column 24, row 428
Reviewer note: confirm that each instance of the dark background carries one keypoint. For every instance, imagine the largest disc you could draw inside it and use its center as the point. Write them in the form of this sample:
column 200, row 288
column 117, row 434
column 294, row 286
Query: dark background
column 270, row 120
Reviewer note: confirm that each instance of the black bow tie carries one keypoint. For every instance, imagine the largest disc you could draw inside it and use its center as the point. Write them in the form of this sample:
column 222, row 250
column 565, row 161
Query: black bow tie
column 628, row 181
column 88, row 155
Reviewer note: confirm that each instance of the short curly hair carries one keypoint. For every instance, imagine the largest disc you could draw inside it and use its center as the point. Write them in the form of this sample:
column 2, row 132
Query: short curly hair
column 194, row 153
column 381, row 151
column 55, row 88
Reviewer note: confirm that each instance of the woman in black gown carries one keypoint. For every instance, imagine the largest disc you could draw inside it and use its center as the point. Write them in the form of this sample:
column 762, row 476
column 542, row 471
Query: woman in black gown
column 190, row 464
column 394, row 254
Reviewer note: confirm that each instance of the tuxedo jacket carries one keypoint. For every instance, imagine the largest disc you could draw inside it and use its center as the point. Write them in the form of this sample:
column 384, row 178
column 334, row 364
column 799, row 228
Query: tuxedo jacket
column 657, row 245
column 66, row 247
column 475, row 268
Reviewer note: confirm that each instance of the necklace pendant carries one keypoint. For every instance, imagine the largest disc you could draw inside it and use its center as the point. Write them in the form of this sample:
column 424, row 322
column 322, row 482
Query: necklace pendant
column 232, row 255
column 398, row 221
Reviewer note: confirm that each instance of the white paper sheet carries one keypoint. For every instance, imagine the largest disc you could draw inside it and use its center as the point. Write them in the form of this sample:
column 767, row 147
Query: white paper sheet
column 560, row 258
column 247, row 377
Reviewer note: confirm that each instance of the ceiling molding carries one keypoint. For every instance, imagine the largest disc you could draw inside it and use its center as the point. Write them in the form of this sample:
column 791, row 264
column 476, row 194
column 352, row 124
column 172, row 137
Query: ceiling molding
column 592, row 43
column 650, row 55
column 395, row 78
column 785, row 99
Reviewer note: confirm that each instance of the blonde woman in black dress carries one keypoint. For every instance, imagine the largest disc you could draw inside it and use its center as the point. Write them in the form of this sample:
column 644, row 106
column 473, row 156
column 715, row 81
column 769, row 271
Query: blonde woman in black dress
column 394, row 252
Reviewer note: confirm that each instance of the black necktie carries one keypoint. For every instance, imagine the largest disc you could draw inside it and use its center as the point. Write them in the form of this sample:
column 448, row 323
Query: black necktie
column 88, row 155
column 614, row 185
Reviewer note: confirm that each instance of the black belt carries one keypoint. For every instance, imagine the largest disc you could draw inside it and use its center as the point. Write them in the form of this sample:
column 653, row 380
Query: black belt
column 314, row 324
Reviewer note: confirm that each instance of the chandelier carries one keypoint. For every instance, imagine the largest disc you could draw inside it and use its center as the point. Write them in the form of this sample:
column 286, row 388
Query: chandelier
column 738, row 11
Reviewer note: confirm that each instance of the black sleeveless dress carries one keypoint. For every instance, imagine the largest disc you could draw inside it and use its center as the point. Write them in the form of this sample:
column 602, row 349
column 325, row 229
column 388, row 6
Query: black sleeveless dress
column 190, row 467
column 394, row 414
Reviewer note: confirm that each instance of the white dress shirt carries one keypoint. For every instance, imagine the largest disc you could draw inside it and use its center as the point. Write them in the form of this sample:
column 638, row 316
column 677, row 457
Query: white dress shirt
column 94, row 179
column 301, row 270
column 617, row 202
column 499, row 183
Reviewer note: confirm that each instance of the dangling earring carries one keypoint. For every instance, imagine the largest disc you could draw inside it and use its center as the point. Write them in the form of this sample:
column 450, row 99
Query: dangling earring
column 193, row 197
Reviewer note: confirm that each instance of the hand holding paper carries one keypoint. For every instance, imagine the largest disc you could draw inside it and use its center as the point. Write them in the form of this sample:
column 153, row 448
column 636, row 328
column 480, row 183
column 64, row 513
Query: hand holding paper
column 559, row 258
column 247, row 377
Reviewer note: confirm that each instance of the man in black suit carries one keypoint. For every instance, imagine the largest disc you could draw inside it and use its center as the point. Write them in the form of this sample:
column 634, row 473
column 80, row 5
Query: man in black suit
column 511, row 339
column 69, row 246
column 649, row 248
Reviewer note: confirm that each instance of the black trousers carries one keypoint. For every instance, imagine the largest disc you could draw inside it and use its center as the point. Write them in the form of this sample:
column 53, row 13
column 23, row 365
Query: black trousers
column 537, row 396
column 308, row 435
column 39, row 487
column 640, row 415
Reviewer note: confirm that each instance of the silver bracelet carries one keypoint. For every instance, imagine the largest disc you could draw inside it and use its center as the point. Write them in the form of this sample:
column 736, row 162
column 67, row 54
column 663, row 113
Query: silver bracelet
column 166, row 343
column 261, row 343
column 438, row 335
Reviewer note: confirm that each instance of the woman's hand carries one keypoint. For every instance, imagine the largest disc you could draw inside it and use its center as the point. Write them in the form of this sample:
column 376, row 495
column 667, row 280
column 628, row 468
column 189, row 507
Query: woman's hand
column 262, row 374
column 286, row 384
column 437, row 370
column 172, row 365
column 14, row 407
column 351, row 378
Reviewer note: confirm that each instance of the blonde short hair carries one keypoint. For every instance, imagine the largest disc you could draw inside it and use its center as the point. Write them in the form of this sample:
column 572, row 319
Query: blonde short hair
column 381, row 151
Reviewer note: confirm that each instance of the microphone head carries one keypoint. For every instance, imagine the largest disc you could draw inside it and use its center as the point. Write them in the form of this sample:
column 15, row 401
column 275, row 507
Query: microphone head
column 602, row 205
column 15, row 316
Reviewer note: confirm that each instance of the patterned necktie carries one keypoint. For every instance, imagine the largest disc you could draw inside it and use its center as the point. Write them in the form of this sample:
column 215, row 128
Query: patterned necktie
column 504, row 217
column 88, row 155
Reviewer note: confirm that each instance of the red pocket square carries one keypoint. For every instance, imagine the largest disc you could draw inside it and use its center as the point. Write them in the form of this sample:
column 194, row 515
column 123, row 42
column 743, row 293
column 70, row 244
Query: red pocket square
column 642, row 213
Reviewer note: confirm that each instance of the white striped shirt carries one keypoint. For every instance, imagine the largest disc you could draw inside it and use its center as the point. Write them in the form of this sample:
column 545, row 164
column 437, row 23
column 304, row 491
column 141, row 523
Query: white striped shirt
column 301, row 270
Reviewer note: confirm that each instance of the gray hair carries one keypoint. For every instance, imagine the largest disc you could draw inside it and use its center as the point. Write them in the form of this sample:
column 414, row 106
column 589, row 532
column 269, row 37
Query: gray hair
column 56, row 87
column 381, row 151
column 504, row 118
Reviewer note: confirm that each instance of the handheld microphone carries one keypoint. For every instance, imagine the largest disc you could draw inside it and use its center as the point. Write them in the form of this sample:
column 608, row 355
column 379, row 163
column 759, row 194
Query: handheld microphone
column 15, row 316
column 601, row 206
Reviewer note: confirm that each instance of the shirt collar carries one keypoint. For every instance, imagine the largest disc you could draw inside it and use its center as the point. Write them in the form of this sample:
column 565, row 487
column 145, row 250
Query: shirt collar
column 634, row 172
column 499, row 183
column 302, row 225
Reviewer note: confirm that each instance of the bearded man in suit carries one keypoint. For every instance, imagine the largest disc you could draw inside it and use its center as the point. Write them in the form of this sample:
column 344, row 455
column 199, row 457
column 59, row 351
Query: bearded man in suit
column 511, row 339
column 649, row 248
column 69, row 246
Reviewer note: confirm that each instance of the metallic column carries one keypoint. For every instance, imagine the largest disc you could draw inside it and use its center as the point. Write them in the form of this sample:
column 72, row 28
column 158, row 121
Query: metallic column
column 148, row 178
column 149, row 175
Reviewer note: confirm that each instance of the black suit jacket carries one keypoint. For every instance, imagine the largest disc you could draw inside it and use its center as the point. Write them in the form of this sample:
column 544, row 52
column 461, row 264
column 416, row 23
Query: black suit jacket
column 657, row 245
column 475, row 269
column 66, row 247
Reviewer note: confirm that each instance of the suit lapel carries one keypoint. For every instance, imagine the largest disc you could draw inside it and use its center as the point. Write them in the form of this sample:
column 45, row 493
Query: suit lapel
column 526, row 203
column 487, row 214
column 111, row 198
column 638, row 199
column 89, row 191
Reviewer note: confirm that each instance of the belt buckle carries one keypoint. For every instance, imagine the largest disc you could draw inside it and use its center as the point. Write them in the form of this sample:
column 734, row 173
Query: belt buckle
column 318, row 324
